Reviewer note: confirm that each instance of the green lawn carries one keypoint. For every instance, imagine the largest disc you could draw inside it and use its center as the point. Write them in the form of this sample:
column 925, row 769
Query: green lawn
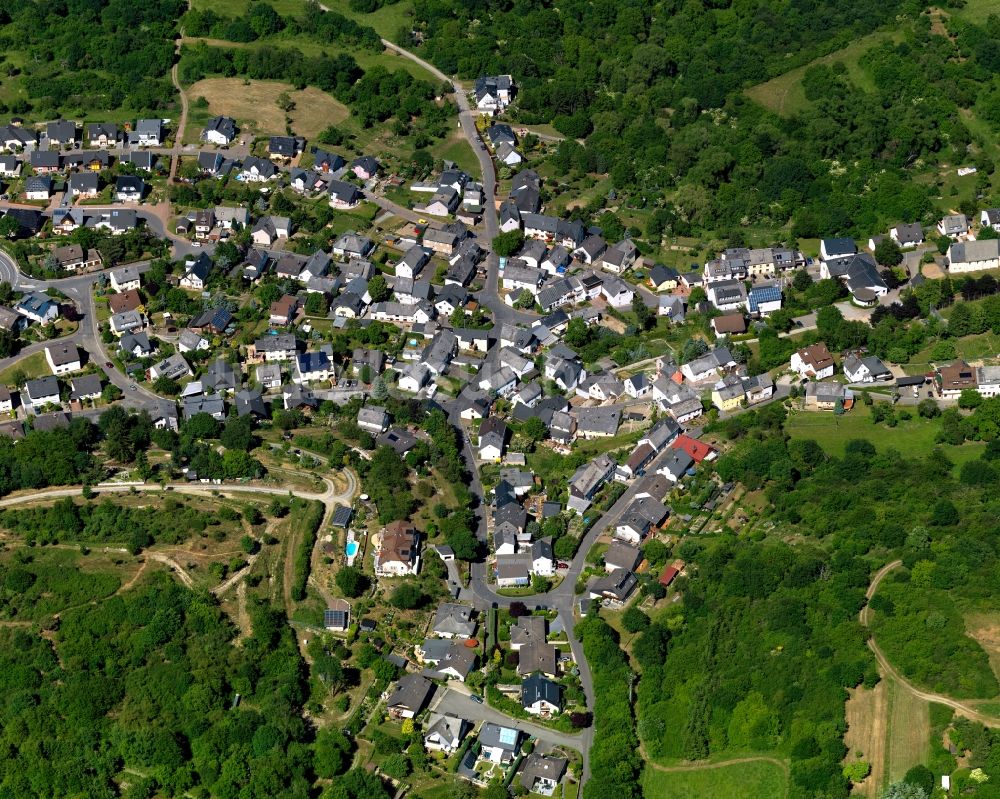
column 982, row 346
column 914, row 438
column 457, row 148
column 740, row 781
column 33, row 366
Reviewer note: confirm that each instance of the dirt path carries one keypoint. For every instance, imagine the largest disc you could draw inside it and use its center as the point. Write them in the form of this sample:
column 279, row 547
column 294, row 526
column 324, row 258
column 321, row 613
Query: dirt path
column 182, row 575
column 242, row 617
column 736, row 761
column 133, row 579
column 288, row 571
column 888, row 670
column 175, row 154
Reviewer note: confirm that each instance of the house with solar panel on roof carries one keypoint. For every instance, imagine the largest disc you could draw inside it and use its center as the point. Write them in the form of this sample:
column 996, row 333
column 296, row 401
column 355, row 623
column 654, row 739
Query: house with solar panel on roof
column 337, row 617
column 764, row 300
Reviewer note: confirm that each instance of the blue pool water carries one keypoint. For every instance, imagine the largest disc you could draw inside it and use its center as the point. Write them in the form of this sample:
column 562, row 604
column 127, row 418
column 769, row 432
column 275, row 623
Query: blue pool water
column 352, row 548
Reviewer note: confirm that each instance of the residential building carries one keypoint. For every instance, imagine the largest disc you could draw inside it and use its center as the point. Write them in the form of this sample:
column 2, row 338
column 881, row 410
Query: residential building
column 955, row 378
column 41, row 392
column 492, row 439
column 398, row 553
column 499, row 744
column 63, row 358
column 954, row 226
column 444, row 733
column 973, row 256
column 409, row 697
column 814, row 361
column 541, row 774
column 125, row 278
column 540, row 696
column 373, row 419
column 826, row 396
column 453, row 621
column 219, row 130
column 865, row 369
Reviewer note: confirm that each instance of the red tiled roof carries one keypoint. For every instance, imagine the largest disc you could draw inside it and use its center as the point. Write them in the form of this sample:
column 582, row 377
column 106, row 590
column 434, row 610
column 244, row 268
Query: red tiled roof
column 698, row 450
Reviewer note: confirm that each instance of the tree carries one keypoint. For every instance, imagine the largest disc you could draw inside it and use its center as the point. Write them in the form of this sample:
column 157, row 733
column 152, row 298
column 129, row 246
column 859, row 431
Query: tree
column 970, row 398
column 644, row 316
column 238, row 433
column 696, row 296
column 634, row 620
column 378, row 288
column 407, row 596
column 316, row 304
column 802, row 281
column 904, row 790
column 380, row 391
column 331, row 752
column 525, row 300
column 9, row 227
column 534, row 430
column 887, row 253
column 693, row 348
column 921, row 776
column 928, row 409
column 351, row 581
column 285, row 102
column 506, row 244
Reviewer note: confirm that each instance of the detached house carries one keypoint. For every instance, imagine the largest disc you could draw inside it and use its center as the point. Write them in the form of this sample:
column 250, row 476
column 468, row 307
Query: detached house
column 219, row 130
column 196, row 272
column 410, row 696
column 63, row 358
column 540, row 696
column 444, row 733
column 147, row 133
column 129, row 189
column 493, row 92
column 84, row 185
column 954, row 226
column 492, row 439
column 814, row 362
column 101, row 134
column 343, row 195
column 269, row 229
column 398, row 553
column 908, row 235
column 61, row 133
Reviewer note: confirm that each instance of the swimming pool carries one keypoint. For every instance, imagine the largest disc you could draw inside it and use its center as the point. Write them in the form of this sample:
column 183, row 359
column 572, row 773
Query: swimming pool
column 352, row 548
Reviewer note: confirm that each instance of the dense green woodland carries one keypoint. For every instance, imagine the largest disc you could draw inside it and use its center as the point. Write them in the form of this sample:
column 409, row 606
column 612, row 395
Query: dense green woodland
column 655, row 89
column 86, row 54
column 767, row 641
column 146, row 681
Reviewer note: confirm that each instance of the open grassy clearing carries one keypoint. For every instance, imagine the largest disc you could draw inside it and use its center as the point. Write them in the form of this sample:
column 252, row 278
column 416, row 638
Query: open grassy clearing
column 912, row 439
column 238, row 8
column 866, row 713
column 386, row 20
column 254, row 105
column 985, row 628
column 751, row 780
column 908, row 733
column 784, row 94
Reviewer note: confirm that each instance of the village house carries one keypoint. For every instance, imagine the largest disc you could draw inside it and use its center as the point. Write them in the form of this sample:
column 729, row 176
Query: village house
column 541, row 696
column 41, row 392
column 398, row 553
column 409, row 697
column 814, row 361
column 219, row 130
column 826, row 396
column 444, row 733
column 63, row 358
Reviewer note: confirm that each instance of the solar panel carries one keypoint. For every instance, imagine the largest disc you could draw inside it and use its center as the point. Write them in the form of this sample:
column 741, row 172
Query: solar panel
column 334, row 618
column 508, row 736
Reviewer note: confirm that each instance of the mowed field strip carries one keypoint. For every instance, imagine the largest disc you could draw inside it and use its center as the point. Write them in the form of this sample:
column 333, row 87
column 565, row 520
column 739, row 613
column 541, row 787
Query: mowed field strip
column 254, row 105
column 785, row 95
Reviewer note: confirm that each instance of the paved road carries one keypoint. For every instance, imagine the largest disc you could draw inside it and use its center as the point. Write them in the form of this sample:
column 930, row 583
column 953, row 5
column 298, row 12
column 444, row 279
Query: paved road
column 450, row 700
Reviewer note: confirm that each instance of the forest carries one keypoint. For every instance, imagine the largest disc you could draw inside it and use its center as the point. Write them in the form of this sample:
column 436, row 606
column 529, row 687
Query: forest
column 767, row 640
column 140, row 691
column 80, row 56
column 655, row 90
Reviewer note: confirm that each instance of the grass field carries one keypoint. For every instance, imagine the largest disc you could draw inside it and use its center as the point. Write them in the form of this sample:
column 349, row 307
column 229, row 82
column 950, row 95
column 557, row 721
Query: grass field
column 985, row 628
column 752, row 780
column 784, row 94
column 34, row 365
column 979, row 347
column 914, row 438
column 457, row 148
column 253, row 104
column 908, row 733
column 866, row 713
column 386, row 20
